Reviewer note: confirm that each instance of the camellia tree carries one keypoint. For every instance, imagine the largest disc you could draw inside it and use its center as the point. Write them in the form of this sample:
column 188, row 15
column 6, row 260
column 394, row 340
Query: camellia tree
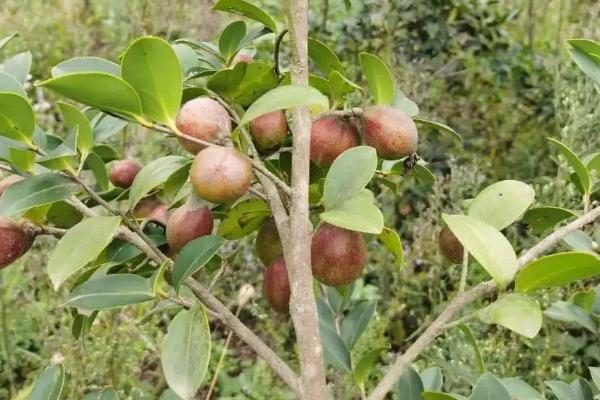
column 284, row 153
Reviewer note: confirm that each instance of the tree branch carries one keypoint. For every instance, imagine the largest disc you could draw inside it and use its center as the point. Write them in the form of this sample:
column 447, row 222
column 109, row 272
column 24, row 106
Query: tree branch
column 441, row 323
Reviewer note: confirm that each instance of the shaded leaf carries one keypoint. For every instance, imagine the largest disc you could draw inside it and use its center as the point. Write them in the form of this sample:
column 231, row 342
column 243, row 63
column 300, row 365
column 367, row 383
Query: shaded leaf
column 111, row 291
column 519, row 313
column 195, row 255
column 247, row 10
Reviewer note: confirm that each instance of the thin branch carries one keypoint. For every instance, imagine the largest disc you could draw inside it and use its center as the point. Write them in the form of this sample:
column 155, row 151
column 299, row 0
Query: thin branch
column 258, row 194
column 441, row 323
column 464, row 272
column 278, row 41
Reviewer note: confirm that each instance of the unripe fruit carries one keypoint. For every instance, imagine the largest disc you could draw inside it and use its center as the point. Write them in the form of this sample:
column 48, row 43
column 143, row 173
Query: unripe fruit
column 276, row 286
column 240, row 57
column 221, row 174
column 186, row 224
column 450, row 247
column 390, row 131
column 268, row 243
column 124, row 172
column 153, row 210
column 338, row 255
column 14, row 241
column 9, row 180
column 330, row 137
column 268, row 131
column 205, row 119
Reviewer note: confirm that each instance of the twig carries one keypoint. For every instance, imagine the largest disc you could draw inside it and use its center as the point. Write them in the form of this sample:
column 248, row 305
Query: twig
column 258, row 194
column 464, row 272
column 278, row 41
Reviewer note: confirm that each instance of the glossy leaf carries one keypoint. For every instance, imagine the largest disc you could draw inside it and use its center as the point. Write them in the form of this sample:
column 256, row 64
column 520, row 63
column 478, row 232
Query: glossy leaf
column 520, row 390
column 473, row 343
column 438, row 126
column 86, row 64
column 75, row 118
column 572, row 314
column 152, row 68
column 575, row 162
column 9, row 83
column 335, row 349
column 519, row 313
column 36, row 191
column 244, row 218
column 154, row 174
column 323, row 57
column 562, row 390
column 231, row 38
column 409, row 386
column 195, row 255
column 111, row 291
column 579, row 240
column 227, row 81
column 391, row 241
column 432, row 379
column 502, row 203
column 488, row 387
column 586, row 57
column 49, row 385
column 286, row 97
column 403, row 103
column 545, row 217
column 487, row 245
column 557, row 270
column 248, row 10
column 186, row 351
column 338, row 85
column 18, row 66
column 258, row 79
column 356, row 214
column 379, row 78
column 356, row 322
column 98, row 168
column 105, row 126
column 80, row 245
column 365, row 365
column 17, row 121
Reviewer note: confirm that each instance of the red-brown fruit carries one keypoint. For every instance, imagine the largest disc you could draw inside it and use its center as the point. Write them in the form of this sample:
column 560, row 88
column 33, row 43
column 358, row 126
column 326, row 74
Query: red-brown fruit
column 269, row 131
column 330, row 137
column 153, row 210
column 450, row 247
column 240, row 57
column 390, row 131
column 221, row 174
column 338, row 255
column 187, row 223
column 268, row 244
column 276, row 286
column 14, row 241
column 205, row 119
column 9, row 180
column 123, row 173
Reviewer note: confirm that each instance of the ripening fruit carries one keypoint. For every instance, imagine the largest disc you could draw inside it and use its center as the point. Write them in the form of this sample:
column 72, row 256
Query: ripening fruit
column 205, row 119
column 123, row 173
column 450, row 247
column 276, row 286
column 269, row 130
column 330, row 137
column 221, row 174
column 14, row 241
column 268, row 244
column 240, row 57
column 153, row 210
column 390, row 131
column 187, row 223
column 9, row 180
column 338, row 255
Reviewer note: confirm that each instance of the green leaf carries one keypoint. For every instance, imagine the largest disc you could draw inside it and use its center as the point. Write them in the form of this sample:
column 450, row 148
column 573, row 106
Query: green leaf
column 169, row 395
column 195, row 255
column 4, row 41
column 391, row 241
column 258, row 79
column 106, row 126
column 231, row 38
column 248, row 10
column 423, row 174
column 487, row 245
column 546, row 217
column 18, row 66
column 473, row 342
column 409, row 386
column 335, row 349
column 186, row 351
column 102, row 394
column 111, row 291
column 356, row 322
column 403, row 103
column 227, row 81
column 75, row 118
column 98, row 168
column 64, row 156
column 365, row 365
column 9, row 83
column 562, row 390
column 324, row 58
column 153, row 175
column 152, row 68
column 440, row 127
column 357, row 214
column 99, row 90
column 338, row 85
column 571, row 313
column 595, row 373
column 49, row 385
column 582, row 389
column 378, row 77
column 488, row 387
column 520, row 390
column 502, row 203
column 557, row 270
column 244, row 218
column 23, row 159
column 584, row 299
column 80, row 245
column 588, row 62
column 441, row 396
column 432, row 379
column 286, row 97
column 17, row 121
column 339, row 184
column 86, row 64
column 36, row 191
column 575, row 162
column 188, row 59
column 519, row 313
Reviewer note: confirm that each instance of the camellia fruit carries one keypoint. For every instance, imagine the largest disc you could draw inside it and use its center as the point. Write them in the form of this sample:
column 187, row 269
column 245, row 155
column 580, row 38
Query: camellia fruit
column 390, row 131
column 188, row 222
column 450, row 247
column 338, row 255
column 330, row 137
column 276, row 286
column 268, row 131
column 123, row 173
column 9, row 180
column 221, row 174
column 205, row 119
column 268, row 244
column 153, row 210
column 14, row 241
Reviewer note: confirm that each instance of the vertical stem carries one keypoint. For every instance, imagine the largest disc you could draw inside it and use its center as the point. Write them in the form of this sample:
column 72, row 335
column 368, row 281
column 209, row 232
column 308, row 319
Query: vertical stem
column 303, row 308
column 464, row 272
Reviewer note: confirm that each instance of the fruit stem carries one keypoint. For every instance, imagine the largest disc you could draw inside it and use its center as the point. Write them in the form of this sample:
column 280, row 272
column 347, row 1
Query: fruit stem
column 465, row 271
